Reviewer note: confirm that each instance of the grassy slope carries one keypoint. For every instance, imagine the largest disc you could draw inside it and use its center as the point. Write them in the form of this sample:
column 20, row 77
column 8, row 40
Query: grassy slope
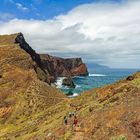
column 24, row 99
column 115, row 112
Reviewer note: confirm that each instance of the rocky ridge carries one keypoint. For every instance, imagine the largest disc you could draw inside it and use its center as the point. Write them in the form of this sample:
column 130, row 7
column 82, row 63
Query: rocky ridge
column 48, row 68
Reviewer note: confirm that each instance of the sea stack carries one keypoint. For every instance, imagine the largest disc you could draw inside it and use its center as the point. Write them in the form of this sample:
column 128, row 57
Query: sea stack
column 68, row 82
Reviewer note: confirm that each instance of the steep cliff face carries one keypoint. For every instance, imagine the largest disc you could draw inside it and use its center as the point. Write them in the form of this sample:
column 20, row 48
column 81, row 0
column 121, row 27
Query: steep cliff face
column 48, row 68
column 38, row 65
column 60, row 67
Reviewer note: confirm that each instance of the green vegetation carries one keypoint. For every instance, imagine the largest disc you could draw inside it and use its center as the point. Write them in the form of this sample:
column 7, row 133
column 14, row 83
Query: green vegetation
column 119, row 138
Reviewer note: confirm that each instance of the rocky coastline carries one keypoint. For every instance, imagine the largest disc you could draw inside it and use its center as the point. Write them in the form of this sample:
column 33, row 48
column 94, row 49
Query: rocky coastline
column 49, row 68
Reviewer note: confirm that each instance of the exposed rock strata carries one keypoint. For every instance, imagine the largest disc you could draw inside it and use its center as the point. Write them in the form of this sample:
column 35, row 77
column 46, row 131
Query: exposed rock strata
column 48, row 68
column 60, row 67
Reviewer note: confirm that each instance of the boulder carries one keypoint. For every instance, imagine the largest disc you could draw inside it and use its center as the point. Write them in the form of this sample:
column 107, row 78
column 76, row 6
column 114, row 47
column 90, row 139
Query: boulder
column 68, row 82
column 70, row 93
column 130, row 78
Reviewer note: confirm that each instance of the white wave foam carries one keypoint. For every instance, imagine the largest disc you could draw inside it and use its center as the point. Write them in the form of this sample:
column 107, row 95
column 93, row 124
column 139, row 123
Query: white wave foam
column 59, row 82
column 97, row 75
column 80, row 77
column 74, row 95
column 77, row 86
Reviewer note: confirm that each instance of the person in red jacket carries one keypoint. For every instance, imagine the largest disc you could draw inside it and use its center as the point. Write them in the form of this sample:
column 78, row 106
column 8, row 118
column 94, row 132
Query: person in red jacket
column 75, row 121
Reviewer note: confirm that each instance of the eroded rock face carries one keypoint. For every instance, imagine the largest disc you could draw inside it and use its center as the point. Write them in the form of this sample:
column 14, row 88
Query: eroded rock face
column 48, row 68
column 42, row 74
column 60, row 67
column 81, row 70
column 68, row 82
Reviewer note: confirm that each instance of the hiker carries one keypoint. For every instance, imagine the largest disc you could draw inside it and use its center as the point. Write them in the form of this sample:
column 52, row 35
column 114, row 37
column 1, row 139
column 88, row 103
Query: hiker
column 75, row 121
column 73, row 114
column 70, row 114
column 90, row 109
column 65, row 120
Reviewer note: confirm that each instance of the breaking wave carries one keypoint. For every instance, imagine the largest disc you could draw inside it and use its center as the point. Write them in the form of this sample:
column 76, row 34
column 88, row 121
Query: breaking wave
column 59, row 82
column 96, row 75
column 74, row 95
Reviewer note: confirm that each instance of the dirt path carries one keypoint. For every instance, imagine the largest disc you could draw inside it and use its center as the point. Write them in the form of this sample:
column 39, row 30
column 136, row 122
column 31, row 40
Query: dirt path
column 66, row 99
column 78, row 134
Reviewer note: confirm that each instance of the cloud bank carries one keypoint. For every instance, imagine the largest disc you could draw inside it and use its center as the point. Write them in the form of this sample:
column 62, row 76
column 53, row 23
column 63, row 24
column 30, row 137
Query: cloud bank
column 105, row 33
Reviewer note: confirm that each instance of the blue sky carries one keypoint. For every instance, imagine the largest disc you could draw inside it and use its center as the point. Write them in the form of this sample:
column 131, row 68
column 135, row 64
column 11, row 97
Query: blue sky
column 105, row 32
column 42, row 9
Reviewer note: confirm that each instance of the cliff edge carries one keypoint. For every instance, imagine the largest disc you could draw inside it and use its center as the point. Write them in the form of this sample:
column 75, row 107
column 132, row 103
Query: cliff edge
column 48, row 68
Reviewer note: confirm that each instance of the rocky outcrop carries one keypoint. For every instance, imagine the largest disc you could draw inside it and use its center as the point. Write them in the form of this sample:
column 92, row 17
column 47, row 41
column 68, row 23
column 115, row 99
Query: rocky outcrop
column 81, row 70
column 70, row 93
column 48, row 68
column 68, row 82
column 42, row 74
column 60, row 67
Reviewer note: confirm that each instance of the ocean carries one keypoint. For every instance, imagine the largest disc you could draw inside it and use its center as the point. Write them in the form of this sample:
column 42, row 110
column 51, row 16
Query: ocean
column 96, row 78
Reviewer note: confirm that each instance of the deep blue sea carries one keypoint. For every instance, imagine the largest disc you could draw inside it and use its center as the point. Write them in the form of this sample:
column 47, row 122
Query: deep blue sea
column 96, row 78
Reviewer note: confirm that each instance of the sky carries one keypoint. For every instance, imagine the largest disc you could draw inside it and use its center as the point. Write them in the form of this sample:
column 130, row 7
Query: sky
column 106, row 32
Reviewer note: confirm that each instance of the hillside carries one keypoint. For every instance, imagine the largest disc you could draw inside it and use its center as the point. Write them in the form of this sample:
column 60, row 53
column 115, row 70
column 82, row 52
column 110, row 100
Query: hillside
column 111, row 112
column 108, row 113
column 26, row 98
column 30, row 109
column 22, row 94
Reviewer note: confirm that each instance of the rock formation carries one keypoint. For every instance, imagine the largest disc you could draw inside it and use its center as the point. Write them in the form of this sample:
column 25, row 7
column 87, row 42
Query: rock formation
column 68, row 82
column 70, row 93
column 81, row 70
column 48, row 68
column 60, row 67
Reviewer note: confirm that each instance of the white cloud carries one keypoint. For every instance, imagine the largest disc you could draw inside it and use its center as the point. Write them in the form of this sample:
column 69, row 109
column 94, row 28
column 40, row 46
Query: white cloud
column 108, row 34
column 21, row 7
